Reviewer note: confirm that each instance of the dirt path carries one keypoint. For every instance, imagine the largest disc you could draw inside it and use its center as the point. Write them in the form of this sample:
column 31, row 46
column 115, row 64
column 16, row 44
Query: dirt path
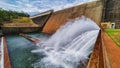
column 113, row 51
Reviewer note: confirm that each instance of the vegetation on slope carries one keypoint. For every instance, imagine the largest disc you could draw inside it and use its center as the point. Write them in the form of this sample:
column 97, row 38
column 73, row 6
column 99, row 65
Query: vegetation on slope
column 114, row 34
column 7, row 16
column 21, row 22
column 15, row 19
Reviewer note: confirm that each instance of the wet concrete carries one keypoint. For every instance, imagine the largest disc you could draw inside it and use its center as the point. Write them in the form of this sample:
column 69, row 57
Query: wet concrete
column 34, row 40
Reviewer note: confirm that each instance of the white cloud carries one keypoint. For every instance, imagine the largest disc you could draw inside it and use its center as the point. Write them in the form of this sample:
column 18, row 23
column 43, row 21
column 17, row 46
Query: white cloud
column 7, row 6
column 40, row 5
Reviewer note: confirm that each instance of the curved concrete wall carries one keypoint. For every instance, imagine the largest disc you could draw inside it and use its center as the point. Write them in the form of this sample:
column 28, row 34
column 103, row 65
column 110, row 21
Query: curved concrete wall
column 91, row 10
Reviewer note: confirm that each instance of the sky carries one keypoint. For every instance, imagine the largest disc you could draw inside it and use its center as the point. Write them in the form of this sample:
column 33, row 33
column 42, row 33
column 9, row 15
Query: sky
column 37, row 6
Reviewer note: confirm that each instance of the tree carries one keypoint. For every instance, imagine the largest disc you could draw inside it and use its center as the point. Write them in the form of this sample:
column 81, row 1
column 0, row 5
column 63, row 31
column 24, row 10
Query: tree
column 8, row 15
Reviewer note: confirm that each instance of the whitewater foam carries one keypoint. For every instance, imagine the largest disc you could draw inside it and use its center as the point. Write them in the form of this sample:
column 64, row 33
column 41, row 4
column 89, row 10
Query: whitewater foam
column 70, row 46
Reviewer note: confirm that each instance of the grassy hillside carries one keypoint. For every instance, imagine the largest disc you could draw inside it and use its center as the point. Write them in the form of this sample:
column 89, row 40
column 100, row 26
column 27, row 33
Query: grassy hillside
column 21, row 22
column 8, row 15
column 114, row 34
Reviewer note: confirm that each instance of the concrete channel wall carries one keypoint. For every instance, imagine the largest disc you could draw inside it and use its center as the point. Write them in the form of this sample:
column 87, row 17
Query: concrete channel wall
column 1, row 53
column 91, row 10
column 16, row 30
column 6, row 55
column 99, row 58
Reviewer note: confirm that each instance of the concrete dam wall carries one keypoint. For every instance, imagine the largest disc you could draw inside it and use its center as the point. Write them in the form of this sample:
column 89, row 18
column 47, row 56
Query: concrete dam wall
column 50, row 21
column 92, row 10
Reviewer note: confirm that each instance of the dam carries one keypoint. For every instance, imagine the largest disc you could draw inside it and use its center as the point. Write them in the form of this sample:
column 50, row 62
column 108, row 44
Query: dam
column 66, row 43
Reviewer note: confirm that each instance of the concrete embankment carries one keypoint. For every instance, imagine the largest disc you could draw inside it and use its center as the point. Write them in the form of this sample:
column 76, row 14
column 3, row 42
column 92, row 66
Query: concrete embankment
column 92, row 10
column 34, row 40
column 99, row 57
column 1, row 53
column 17, row 30
column 6, row 55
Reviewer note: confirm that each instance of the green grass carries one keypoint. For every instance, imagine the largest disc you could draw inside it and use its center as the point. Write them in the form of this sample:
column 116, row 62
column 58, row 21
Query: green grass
column 114, row 34
column 21, row 22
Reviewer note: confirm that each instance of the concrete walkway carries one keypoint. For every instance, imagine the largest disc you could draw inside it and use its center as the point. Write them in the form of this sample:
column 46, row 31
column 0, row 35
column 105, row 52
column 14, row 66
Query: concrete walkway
column 113, row 51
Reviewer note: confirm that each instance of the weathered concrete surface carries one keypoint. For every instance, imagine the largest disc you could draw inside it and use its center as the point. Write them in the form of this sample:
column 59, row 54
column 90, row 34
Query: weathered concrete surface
column 112, row 50
column 106, row 25
column 94, row 59
column 41, row 18
column 34, row 40
column 6, row 55
column 99, row 57
column 112, row 12
column 91, row 10
column 17, row 30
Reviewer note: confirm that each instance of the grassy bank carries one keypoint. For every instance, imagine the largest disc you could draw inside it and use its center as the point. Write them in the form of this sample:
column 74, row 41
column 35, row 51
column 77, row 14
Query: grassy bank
column 20, row 25
column 21, row 22
column 8, row 15
column 114, row 34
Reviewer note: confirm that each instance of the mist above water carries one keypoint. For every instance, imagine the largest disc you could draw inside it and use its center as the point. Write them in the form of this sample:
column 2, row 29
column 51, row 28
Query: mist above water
column 70, row 46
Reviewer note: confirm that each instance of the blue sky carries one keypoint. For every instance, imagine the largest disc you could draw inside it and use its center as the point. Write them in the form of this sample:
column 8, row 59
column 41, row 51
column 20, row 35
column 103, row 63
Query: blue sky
column 36, row 6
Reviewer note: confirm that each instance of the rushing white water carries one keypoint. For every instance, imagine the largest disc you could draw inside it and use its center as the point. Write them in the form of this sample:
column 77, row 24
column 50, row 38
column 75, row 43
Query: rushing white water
column 70, row 46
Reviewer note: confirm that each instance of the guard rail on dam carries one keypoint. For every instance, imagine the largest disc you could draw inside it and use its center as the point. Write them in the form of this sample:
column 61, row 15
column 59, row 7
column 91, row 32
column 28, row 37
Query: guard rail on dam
column 93, row 10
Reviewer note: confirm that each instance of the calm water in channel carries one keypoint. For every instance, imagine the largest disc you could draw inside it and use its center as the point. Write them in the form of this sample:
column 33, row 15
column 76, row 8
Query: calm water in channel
column 20, row 50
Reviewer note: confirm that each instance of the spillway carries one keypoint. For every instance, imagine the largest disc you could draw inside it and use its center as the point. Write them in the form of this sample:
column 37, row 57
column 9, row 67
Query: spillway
column 70, row 46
